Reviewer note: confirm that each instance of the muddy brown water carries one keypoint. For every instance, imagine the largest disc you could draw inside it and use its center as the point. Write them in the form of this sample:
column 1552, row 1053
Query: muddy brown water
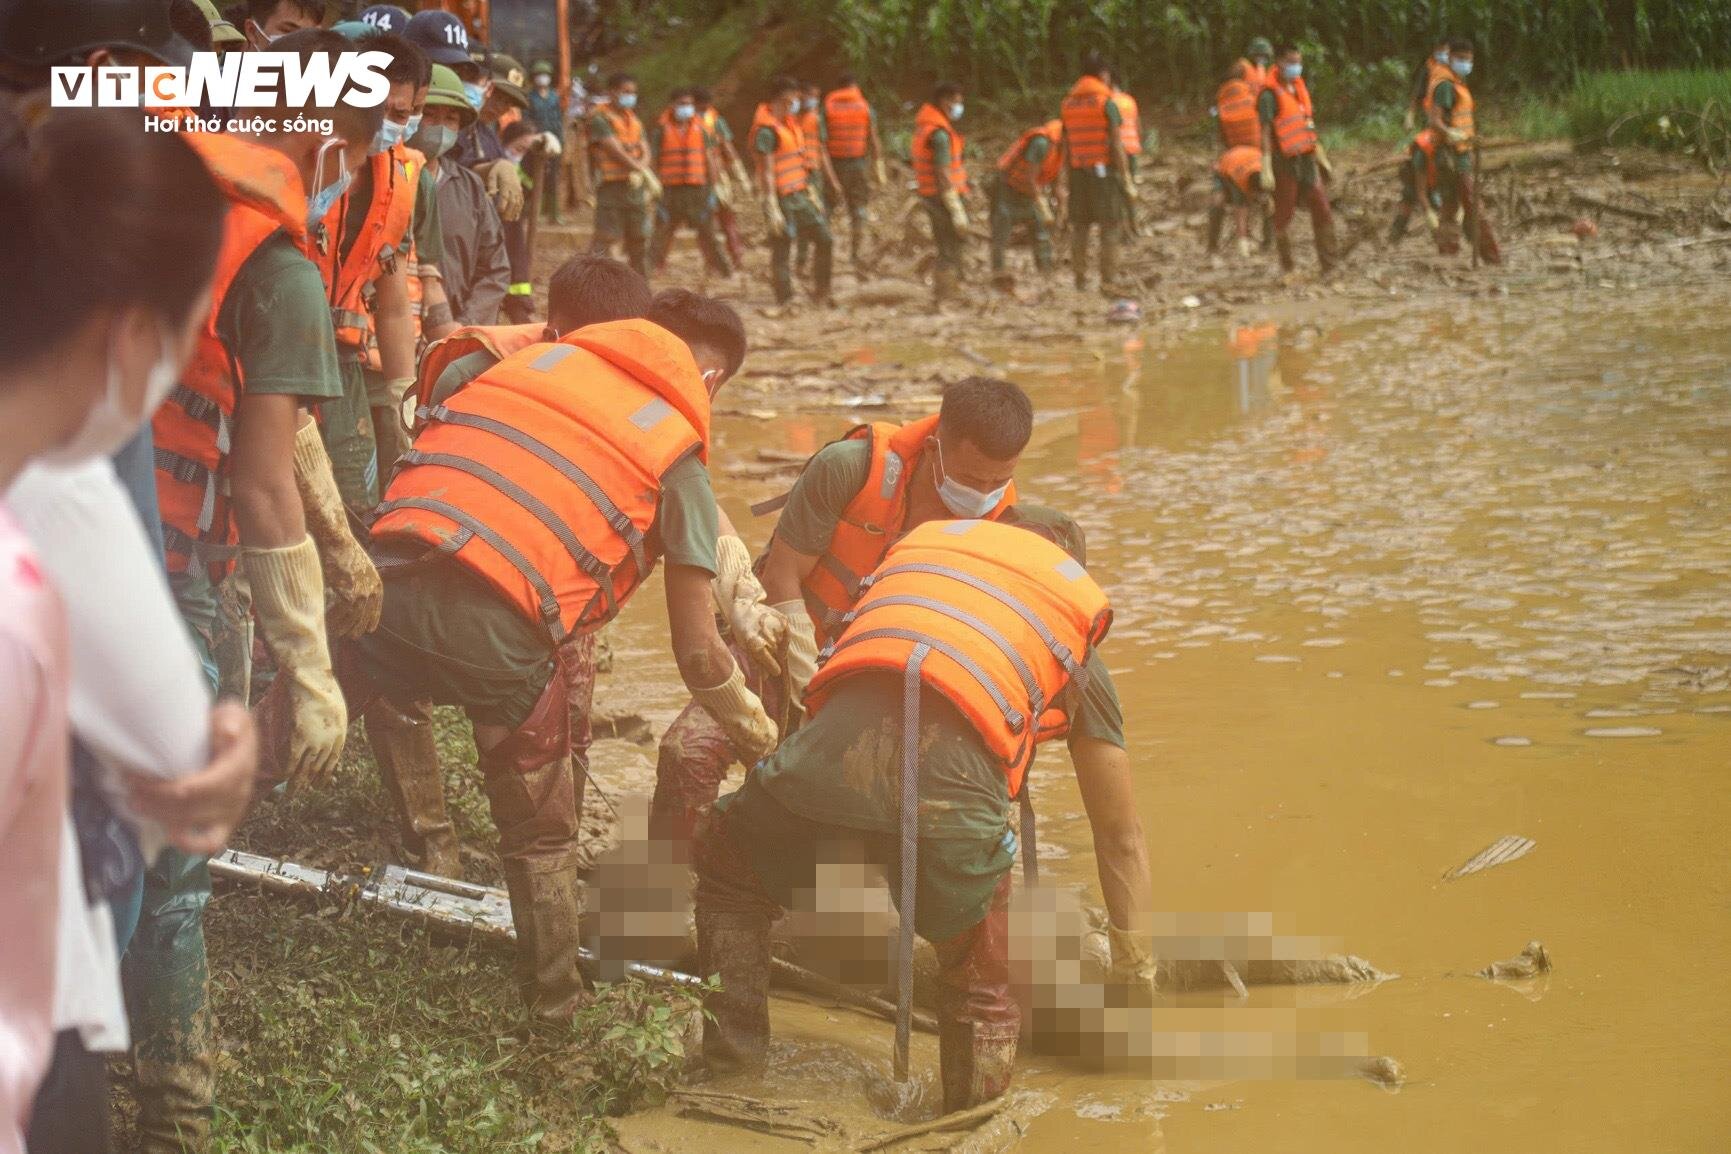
column 1387, row 589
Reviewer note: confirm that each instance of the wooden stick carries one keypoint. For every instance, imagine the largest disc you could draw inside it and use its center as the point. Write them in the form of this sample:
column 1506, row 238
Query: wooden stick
column 960, row 1120
column 800, row 978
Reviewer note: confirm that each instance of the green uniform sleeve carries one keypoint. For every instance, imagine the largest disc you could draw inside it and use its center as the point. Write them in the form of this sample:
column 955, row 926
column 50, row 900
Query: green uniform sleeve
column 822, row 123
column 722, row 132
column 1267, row 105
column 1098, row 715
column 687, row 520
column 1444, row 97
column 460, row 372
column 428, row 227
column 830, row 482
column 1114, row 115
column 764, row 141
column 278, row 325
column 600, row 127
column 940, row 141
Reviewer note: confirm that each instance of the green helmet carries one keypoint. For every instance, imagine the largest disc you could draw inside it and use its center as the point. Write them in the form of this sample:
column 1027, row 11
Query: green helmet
column 1260, row 47
column 508, row 78
column 221, row 31
column 540, row 68
column 445, row 89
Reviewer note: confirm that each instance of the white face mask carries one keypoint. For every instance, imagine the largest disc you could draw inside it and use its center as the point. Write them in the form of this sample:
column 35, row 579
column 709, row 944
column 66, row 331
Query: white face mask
column 108, row 426
column 960, row 499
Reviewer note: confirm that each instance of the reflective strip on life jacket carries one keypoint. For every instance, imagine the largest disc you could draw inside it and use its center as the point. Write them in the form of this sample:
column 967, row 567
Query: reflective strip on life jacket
column 349, row 269
column 848, row 120
column 1129, row 123
column 927, row 121
column 1008, row 620
column 192, row 428
column 787, row 163
column 628, row 131
column 1294, row 123
column 684, row 157
column 543, row 475
column 1022, row 176
column 1235, row 104
column 499, row 340
column 873, row 519
column 1238, row 165
column 1085, row 124
column 810, row 142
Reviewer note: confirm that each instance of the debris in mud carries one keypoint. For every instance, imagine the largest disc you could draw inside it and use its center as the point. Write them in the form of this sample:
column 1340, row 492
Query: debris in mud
column 1529, row 963
column 1505, row 849
column 624, row 725
column 766, row 1117
column 1384, row 1071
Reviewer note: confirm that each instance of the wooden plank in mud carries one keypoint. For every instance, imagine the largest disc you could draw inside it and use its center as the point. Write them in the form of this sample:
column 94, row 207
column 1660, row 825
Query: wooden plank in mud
column 1504, row 850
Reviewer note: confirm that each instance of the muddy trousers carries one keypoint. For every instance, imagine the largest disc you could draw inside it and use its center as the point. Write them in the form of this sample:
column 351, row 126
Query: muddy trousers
column 947, row 268
column 408, row 759
column 1109, row 239
column 621, row 214
column 1462, row 198
column 979, row 1022
column 804, row 219
column 691, row 205
column 1293, row 183
column 1010, row 208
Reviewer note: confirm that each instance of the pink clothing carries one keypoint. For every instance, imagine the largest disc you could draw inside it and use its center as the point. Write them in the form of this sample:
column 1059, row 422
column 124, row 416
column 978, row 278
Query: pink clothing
column 34, row 770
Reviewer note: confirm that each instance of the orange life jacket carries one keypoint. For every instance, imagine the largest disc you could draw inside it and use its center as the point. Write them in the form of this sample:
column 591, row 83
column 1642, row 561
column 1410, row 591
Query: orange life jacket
column 193, row 427
column 348, row 270
column 1255, row 74
column 628, row 130
column 875, row 517
column 810, row 141
column 1434, row 70
column 1024, row 177
column 1239, row 164
column 1235, row 105
column 1294, row 121
column 787, row 163
column 414, row 163
column 1461, row 115
column 500, row 340
column 543, row 475
column 1085, row 126
column 1426, row 142
column 998, row 619
column 848, row 119
column 927, row 121
column 684, row 152
column 1129, row 123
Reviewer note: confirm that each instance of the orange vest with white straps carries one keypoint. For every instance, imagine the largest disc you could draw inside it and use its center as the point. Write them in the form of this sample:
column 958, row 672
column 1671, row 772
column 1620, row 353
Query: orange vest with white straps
column 1085, row 125
column 999, row 620
column 1129, row 123
column 194, row 426
column 848, row 119
column 414, row 163
column 1238, row 165
column 787, row 163
column 348, row 269
column 499, row 340
column 1294, row 121
column 1024, row 177
column 684, row 159
column 927, row 121
column 1235, row 105
column 543, row 474
column 1461, row 115
column 875, row 517
column 810, row 141
column 628, row 130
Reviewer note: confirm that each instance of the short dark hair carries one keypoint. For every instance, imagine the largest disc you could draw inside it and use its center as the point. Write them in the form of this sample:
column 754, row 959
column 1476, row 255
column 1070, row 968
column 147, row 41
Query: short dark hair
column 944, row 90
column 679, row 94
column 995, row 415
column 514, row 131
column 358, row 123
column 262, row 10
column 700, row 320
column 782, row 86
column 76, row 247
column 619, row 80
column 589, row 290
column 1094, row 64
column 1285, row 47
column 846, row 80
column 1462, row 44
column 409, row 65
column 702, row 94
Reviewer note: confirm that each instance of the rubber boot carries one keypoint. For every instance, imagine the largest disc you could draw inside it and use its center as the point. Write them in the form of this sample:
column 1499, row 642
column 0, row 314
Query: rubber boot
column 1327, row 245
column 976, row 1062
column 1109, row 262
column 1216, row 220
column 946, row 286
column 1079, row 255
column 979, row 1023
column 1397, row 228
column 735, row 946
column 408, row 762
column 167, row 988
column 1489, row 251
column 1283, row 246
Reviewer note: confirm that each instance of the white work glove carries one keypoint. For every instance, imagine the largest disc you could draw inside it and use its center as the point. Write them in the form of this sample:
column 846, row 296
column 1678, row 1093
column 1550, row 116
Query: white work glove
column 288, row 598
column 740, row 176
column 550, row 141
column 1132, row 960
column 772, row 212
column 1455, row 135
column 1042, row 209
column 1268, row 172
column 740, row 599
column 1323, row 163
column 800, row 654
column 1244, row 247
column 505, row 186
column 958, row 213
column 645, row 182
column 740, row 714
column 1431, row 218
column 354, row 595
column 881, row 174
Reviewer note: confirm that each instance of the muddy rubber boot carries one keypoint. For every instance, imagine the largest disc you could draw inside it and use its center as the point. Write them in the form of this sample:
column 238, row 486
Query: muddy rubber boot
column 1216, row 220
column 1283, row 247
column 976, row 1061
column 1327, row 245
column 1489, row 251
column 946, row 285
column 735, row 946
column 1079, row 256
column 534, row 806
column 167, row 999
column 408, row 762
column 1109, row 262
column 1397, row 228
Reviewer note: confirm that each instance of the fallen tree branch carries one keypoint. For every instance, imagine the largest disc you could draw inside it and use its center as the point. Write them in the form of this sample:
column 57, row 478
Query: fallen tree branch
column 960, row 1120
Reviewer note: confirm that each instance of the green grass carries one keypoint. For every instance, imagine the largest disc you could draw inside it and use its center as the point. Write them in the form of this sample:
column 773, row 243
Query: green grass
column 1683, row 110
column 698, row 54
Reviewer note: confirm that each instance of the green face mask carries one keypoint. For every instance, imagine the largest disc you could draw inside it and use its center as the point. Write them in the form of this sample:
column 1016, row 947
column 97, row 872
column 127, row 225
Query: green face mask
column 434, row 140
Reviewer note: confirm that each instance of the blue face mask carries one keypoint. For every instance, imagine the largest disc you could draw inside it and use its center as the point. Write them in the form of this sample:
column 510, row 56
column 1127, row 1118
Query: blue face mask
column 1292, row 71
column 683, row 112
column 435, row 140
column 389, row 135
column 627, row 100
column 413, row 126
column 1462, row 68
column 475, row 95
column 1443, row 56
column 959, row 498
column 956, row 110
column 320, row 203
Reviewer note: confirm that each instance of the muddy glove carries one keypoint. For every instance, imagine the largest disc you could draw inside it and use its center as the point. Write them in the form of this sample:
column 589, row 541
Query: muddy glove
column 1325, row 165
column 740, row 714
column 1268, row 172
column 1127, row 185
column 1042, row 210
column 740, row 176
column 801, row 654
column 1245, row 247
column 646, row 183
column 288, row 598
column 1431, row 218
column 741, row 601
column 551, row 143
column 958, row 213
column 1455, row 135
column 880, row 173
column 505, row 186
column 772, row 212
column 722, row 190
column 1132, row 960
column 353, row 593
